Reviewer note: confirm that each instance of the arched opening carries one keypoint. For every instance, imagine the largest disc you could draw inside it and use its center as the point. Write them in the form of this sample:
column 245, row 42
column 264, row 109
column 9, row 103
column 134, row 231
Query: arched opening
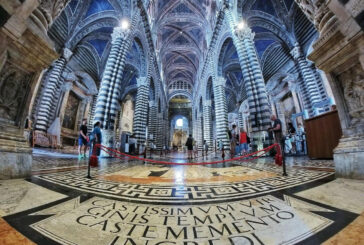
column 180, row 120
column 179, row 131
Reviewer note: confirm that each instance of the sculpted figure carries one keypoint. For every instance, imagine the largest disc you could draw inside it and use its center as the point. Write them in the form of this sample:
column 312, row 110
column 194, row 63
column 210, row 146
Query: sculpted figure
column 8, row 98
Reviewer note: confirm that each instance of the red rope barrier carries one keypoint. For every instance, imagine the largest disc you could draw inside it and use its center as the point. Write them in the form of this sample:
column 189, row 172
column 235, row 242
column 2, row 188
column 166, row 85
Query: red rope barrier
column 241, row 158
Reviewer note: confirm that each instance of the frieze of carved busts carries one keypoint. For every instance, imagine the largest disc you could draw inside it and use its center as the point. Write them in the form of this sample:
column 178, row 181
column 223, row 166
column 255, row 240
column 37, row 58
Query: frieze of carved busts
column 352, row 82
column 318, row 13
column 13, row 89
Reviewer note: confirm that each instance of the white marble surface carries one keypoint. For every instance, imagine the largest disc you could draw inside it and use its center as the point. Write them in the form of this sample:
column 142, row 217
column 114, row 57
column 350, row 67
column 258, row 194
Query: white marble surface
column 18, row 195
column 344, row 194
column 107, row 221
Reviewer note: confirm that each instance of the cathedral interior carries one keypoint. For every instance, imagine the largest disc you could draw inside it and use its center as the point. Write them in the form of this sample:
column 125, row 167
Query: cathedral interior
column 160, row 122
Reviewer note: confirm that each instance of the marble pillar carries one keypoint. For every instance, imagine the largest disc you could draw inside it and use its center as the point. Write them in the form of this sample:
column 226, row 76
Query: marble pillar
column 311, row 91
column 48, row 99
column 107, row 104
column 259, row 106
column 207, row 121
column 152, row 121
column 221, row 111
column 141, row 109
column 160, row 129
column 339, row 52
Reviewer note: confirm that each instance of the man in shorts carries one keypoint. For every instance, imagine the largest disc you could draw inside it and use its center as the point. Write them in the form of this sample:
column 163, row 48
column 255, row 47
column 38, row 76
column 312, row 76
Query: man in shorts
column 82, row 139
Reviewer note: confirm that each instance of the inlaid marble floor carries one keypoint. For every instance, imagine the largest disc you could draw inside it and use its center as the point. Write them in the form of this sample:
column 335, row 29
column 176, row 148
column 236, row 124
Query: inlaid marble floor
column 131, row 202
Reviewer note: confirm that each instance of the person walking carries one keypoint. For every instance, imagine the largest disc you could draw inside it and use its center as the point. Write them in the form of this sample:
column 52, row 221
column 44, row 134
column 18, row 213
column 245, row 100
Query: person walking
column 189, row 144
column 82, row 139
column 243, row 140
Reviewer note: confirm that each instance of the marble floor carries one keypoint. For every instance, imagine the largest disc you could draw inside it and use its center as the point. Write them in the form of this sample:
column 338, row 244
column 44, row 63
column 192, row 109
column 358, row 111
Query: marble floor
column 132, row 202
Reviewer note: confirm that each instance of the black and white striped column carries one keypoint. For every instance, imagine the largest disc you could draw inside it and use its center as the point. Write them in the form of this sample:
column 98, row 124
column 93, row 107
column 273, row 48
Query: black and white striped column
column 253, row 78
column 160, row 129
column 199, row 130
column 152, row 121
column 48, row 100
column 310, row 82
column 107, row 102
column 207, row 120
column 141, row 110
column 221, row 110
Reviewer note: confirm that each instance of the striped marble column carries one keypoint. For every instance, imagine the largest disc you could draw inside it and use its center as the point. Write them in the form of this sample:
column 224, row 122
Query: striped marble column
column 141, row 109
column 207, row 120
column 253, row 79
column 221, row 110
column 160, row 129
column 107, row 102
column 48, row 100
column 152, row 121
column 199, row 126
column 310, row 80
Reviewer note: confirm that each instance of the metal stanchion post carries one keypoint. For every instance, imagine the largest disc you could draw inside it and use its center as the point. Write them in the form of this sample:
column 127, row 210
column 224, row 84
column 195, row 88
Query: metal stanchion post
column 283, row 159
column 89, row 165
column 223, row 153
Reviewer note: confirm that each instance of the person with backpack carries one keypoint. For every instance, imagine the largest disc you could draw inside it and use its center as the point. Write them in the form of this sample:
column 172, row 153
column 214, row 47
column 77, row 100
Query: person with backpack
column 96, row 137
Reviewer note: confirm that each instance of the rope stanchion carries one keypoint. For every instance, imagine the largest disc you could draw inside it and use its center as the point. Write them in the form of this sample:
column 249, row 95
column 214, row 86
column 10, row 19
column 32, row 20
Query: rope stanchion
column 240, row 158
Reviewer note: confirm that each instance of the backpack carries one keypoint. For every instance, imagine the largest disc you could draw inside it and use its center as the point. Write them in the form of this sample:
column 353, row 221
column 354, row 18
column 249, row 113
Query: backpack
column 230, row 135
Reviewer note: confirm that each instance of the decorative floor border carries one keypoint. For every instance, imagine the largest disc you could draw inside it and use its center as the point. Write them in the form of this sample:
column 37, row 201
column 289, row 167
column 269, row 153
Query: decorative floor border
column 186, row 193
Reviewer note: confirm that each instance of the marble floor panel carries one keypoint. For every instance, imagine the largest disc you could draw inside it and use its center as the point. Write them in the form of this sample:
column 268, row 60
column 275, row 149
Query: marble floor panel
column 133, row 202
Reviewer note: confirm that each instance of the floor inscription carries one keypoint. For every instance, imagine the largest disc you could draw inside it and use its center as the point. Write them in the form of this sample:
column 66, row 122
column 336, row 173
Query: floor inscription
column 263, row 220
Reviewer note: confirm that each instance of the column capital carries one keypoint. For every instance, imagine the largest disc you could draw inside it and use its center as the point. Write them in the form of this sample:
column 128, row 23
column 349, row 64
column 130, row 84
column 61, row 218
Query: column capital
column 142, row 81
column 66, row 53
column 244, row 33
column 296, row 52
column 220, row 81
column 119, row 33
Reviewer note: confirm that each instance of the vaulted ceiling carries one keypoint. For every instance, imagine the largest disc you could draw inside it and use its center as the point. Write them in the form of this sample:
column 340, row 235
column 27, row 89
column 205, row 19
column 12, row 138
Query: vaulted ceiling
column 182, row 27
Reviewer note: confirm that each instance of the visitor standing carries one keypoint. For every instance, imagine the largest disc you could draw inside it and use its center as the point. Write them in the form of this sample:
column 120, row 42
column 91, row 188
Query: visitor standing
column 243, row 140
column 277, row 130
column 97, row 137
column 189, row 144
column 82, row 139
column 205, row 146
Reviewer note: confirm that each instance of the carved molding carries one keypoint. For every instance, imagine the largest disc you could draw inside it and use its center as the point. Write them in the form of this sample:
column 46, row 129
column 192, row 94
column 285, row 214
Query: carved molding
column 244, row 33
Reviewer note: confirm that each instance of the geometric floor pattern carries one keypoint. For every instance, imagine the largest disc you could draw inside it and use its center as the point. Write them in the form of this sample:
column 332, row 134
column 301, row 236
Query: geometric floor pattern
column 131, row 202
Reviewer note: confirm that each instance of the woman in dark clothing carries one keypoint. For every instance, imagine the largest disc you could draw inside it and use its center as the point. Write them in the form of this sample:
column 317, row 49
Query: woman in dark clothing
column 189, row 144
